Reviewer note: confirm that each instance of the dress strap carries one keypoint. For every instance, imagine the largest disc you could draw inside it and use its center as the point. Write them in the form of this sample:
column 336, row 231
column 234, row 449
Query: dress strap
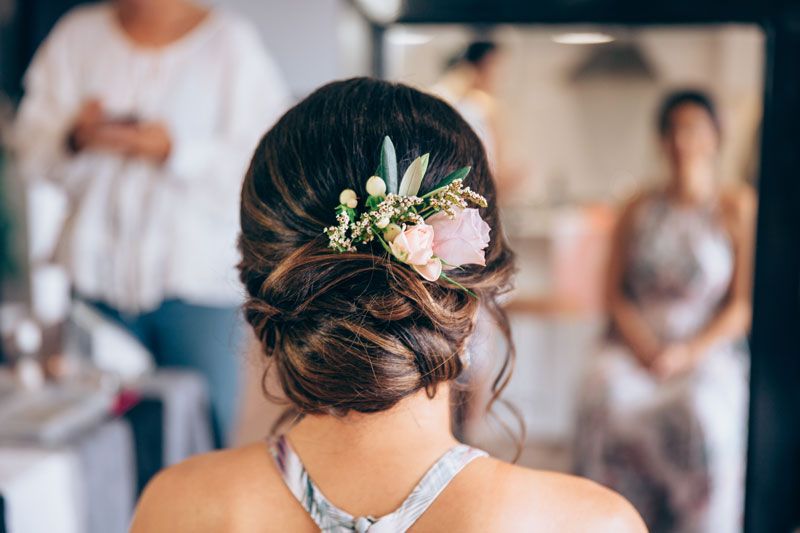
column 429, row 488
column 330, row 518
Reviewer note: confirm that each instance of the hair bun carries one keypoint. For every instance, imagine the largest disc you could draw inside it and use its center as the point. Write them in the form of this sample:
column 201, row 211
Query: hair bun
column 357, row 331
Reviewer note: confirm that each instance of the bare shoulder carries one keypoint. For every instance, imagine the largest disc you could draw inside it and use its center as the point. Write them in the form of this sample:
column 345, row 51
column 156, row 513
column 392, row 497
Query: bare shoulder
column 218, row 491
column 520, row 499
column 629, row 208
column 636, row 200
column 627, row 214
column 740, row 201
column 571, row 503
column 738, row 210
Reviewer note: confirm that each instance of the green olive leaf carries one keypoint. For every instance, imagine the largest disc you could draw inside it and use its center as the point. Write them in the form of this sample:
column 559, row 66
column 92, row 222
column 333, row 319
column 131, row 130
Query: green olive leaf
column 459, row 174
column 412, row 179
column 387, row 168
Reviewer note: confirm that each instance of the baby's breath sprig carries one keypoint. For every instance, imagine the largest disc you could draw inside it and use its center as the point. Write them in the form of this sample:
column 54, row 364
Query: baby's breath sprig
column 454, row 197
column 361, row 231
column 339, row 239
column 398, row 209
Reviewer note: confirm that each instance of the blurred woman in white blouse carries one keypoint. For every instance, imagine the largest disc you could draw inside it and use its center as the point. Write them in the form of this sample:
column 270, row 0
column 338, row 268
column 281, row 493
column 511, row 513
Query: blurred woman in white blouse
column 145, row 112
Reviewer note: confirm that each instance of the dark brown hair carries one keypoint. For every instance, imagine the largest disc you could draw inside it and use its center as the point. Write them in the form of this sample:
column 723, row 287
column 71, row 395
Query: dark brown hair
column 357, row 331
column 681, row 98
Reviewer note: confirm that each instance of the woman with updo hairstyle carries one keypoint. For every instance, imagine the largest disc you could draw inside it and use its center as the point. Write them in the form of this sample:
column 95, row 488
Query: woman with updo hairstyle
column 365, row 349
column 664, row 408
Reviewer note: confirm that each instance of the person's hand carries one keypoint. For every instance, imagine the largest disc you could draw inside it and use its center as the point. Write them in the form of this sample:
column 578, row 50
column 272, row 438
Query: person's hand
column 148, row 140
column 674, row 360
column 152, row 142
column 646, row 355
column 83, row 128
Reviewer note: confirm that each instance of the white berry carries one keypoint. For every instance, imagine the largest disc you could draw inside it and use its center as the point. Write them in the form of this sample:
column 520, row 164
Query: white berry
column 346, row 196
column 376, row 186
column 392, row 231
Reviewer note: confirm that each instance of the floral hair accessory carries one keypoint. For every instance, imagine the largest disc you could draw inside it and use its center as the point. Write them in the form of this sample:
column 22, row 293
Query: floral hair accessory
column 432, row 232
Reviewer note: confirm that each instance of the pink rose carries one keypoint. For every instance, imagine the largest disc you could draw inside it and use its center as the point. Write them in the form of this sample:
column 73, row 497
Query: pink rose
column 414, row 246
column 462, row 240
column 431, row 270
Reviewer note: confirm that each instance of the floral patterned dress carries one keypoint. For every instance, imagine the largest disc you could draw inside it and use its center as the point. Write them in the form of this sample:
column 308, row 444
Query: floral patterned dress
column 676, row 448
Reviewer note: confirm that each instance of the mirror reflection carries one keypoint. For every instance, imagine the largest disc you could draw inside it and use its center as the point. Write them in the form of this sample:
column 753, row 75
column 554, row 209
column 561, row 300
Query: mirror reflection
column 626, row 160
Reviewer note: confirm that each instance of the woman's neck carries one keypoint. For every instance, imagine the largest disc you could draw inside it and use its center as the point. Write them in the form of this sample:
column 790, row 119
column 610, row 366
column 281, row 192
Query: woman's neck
column 693, row 185
column 414, row 420
column 400, row 445
column 159, row 27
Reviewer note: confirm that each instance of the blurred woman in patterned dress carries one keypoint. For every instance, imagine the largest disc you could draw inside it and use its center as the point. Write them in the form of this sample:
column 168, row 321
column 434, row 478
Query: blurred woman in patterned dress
column 664, row 408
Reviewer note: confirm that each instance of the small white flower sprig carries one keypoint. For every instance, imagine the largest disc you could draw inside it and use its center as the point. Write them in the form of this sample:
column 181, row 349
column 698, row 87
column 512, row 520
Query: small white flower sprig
column 396, row 216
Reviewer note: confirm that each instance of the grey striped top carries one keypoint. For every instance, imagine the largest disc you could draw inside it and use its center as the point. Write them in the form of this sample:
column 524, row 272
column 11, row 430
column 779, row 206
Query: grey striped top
column 331, row 519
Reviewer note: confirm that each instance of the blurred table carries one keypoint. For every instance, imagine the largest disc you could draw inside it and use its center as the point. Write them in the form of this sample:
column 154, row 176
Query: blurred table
column 46, row 489
column 90, row 481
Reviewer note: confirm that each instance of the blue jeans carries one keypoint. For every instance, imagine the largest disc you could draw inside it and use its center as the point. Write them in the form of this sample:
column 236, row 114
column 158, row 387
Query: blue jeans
column 206, row 339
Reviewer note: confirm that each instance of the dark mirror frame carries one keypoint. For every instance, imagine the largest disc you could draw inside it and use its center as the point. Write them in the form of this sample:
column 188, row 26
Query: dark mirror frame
column 773, row 463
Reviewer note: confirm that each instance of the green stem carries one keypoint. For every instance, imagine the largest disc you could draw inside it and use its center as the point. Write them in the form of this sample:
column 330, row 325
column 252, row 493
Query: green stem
column 445, row 263
column 457, row 284
column 429, row 210
column 383, row 243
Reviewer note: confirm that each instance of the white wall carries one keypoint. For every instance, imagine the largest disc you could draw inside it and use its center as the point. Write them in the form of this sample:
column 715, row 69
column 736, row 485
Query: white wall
column 313, row 41
column 596, row 138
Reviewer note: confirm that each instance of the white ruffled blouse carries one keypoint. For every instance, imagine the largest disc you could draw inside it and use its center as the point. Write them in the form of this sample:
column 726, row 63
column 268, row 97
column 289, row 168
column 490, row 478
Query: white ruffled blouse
column 138, row 232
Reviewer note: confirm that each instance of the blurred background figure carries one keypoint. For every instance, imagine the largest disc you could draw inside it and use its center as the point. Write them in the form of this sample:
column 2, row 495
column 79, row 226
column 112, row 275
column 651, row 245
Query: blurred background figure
column 664, row 408
column 145, row 113
column 469, row 83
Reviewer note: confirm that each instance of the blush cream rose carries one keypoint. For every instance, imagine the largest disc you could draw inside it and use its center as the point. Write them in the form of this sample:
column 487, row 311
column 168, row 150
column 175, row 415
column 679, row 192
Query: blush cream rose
column 414, row 246
column 460, row 240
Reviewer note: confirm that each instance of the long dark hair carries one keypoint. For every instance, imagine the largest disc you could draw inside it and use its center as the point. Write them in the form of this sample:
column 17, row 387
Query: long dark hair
column 357, row 331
